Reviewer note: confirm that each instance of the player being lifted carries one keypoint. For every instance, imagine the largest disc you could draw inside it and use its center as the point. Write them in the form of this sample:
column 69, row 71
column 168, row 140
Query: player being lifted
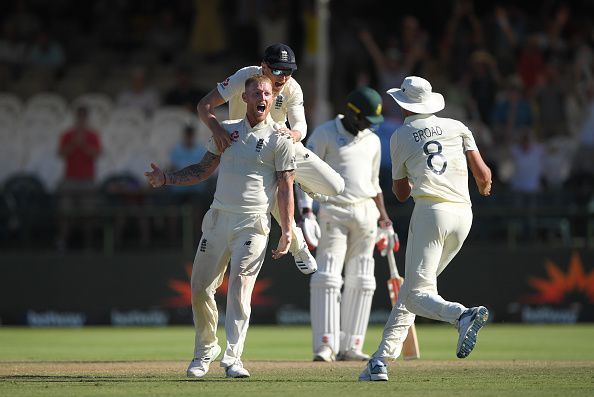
column 312, row 174
column 236, row 227
column 348, row 229
column 430, row 159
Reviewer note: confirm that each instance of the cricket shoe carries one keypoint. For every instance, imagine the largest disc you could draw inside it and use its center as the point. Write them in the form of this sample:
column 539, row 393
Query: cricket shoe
column 375, row 370
column 352, row 355
column 236, row 370
column 199, row 366
column 304, row 261
column 469, row 324
column 324, row 354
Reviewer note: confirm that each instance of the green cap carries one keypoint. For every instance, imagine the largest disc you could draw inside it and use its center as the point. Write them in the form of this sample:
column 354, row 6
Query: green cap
column 368, row 102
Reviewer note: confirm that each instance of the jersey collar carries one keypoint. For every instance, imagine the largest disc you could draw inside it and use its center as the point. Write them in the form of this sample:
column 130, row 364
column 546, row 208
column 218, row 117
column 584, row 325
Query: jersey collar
column 417, row 117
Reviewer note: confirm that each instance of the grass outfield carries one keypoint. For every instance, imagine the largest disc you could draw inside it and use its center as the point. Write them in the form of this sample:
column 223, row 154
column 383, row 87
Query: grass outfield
column 517, row 360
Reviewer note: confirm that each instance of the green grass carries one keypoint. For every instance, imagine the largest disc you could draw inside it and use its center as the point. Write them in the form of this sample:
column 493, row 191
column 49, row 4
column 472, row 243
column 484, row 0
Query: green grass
column 510, row 360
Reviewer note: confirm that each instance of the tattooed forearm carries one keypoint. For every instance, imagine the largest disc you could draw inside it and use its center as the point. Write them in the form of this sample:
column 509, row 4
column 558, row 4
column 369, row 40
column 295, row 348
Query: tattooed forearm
column 195, row 173
column 284, row 196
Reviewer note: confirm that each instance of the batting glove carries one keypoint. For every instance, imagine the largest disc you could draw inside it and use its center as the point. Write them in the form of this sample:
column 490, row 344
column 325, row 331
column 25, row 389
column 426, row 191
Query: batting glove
column 311, row 230
column 387, row 238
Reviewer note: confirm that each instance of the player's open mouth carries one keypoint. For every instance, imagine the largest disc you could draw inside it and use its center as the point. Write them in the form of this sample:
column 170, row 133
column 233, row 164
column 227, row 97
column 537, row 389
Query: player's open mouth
column 261, row 108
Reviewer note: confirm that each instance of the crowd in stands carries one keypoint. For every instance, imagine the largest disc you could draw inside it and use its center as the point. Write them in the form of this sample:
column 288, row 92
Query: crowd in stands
column 520, row 78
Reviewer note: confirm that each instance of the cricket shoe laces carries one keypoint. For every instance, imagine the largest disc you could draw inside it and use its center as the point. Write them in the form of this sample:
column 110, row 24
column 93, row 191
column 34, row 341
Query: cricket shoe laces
column 469, row 324
column 375, row 370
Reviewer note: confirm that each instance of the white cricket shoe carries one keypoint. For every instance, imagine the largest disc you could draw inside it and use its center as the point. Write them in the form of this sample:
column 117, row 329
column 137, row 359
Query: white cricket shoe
column 375, row 370
column 304, row 261
column 325, row 353
column 199, row 366
column 236, row 370
column 352, row 355
column 469, row 324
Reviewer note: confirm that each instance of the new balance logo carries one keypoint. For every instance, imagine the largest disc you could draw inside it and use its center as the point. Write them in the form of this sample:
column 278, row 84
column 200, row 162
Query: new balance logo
column 247, row 242
column 203, row 245
column 260, row 144
column 279, row 102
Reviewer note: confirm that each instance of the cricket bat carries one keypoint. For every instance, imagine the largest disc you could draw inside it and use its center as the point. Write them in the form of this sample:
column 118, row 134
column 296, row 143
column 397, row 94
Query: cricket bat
column 410, row 347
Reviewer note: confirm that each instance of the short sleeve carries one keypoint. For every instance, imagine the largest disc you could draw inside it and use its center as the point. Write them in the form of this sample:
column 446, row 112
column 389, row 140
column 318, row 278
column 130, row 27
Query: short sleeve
column 284, row 156
column 235, row 84
column 467, row 138
column 397, row 156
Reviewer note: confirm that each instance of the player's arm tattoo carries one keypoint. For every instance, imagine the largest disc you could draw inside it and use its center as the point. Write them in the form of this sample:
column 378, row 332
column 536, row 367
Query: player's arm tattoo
column 195, row 173
column 285, row 175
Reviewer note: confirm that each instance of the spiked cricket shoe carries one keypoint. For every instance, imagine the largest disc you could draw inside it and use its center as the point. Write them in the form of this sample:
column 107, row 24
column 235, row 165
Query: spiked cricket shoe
column 304, row 261
column 375, row 370
column 324, row 354
column 199, row 366
column 469, row 324
column 352, row 355
column 236, row 371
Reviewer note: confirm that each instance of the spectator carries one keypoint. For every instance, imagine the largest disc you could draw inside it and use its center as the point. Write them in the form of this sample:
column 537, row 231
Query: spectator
column 527, row 157
column 138, row 95
column 46, row 52
column 483, row 83
column 79, row 147
column 184, row 93
column 512, row 112
column 185, row 153
column 550, row 100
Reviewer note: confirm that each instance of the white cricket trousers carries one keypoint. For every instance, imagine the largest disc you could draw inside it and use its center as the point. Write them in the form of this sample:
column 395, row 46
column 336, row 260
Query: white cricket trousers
column 313, row 175
column 348, row 239
column 435, row 235
column 237, row 240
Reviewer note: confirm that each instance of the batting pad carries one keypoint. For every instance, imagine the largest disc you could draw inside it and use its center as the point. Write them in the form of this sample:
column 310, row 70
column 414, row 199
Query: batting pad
column 325, row 306
column 359, row 286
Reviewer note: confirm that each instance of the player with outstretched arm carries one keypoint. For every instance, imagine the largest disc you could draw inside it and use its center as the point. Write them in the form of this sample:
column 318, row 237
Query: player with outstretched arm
column 430, row 159
column 257, row 166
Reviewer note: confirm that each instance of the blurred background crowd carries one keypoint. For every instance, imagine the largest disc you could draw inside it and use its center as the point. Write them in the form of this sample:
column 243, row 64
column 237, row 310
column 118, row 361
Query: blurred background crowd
column 92, row 91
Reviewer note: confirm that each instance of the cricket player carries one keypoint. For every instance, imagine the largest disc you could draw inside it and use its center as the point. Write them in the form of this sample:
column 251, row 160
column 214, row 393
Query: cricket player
column 348, row 229
column 236, row 227
column 312, row 174
column 430, row 159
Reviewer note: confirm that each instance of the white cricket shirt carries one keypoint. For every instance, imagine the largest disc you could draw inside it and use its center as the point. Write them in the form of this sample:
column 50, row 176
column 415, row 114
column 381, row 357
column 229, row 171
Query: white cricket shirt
column 430, row 151
column 288, row 104
column 355, row 158
column 247, row 181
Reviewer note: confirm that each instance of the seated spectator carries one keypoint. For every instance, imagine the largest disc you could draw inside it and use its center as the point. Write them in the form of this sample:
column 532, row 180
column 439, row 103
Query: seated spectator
column 79, row 147
column 527, row 157
column 184, row 93
column 46, row 52
column 138, row 95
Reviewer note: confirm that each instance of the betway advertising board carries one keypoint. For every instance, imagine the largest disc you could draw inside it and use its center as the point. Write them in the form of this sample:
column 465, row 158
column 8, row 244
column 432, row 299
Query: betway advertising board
column 139, row 289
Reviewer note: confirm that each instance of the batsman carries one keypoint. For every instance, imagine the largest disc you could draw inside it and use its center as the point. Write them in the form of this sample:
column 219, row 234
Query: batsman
column 347, row 230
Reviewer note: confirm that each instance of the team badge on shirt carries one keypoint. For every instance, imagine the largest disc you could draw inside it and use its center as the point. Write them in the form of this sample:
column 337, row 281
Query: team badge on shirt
column 260, row 144
column 279, row 101
column 235, row 136
column 341, row 141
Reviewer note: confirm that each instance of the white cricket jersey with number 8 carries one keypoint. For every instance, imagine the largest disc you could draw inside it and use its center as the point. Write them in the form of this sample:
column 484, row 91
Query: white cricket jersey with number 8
column 430, row 151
